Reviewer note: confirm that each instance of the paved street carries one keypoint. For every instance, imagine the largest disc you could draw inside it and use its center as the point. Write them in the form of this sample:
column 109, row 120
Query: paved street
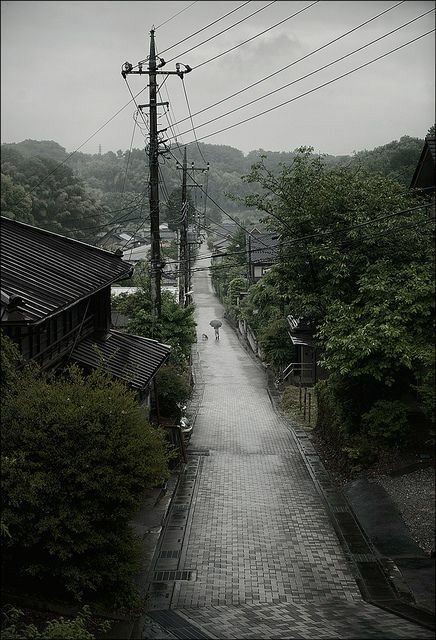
column 264, row 558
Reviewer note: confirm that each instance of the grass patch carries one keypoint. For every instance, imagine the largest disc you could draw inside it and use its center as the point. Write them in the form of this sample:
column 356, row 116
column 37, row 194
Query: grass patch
column 294, row 407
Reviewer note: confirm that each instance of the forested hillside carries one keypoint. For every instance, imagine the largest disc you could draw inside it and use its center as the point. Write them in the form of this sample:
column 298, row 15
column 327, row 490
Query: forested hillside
column 80, row 195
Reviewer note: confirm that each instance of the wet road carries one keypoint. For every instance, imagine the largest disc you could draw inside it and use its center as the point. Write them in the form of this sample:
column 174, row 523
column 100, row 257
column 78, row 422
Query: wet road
column 263, row 558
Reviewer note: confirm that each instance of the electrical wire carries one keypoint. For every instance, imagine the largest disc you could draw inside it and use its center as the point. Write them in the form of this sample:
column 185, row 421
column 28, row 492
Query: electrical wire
column 327, row 232
column 307, row 75
column 79, row 147
column 314, row 250
column 212, row 200
column 221, row 32
column 271, row 75
column 206, row 27
column 253, row 37
column 175, row 15
column 301, row 95
column 128, row 158
column 192, row 121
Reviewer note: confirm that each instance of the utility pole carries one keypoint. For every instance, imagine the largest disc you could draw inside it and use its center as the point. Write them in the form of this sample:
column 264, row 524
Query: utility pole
column 153, row 157
column 184, row 252
column 153, row 162
column 183, row 267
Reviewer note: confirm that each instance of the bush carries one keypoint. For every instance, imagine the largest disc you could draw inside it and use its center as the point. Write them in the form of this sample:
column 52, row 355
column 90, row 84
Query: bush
column 329, row 420
column 14, row 627
column 386, row 422
column 77, row 455
column 276, row 344
column 173, row 390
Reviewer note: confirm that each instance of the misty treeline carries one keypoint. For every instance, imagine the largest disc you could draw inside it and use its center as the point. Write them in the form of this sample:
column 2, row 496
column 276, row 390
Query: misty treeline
column 80, row 195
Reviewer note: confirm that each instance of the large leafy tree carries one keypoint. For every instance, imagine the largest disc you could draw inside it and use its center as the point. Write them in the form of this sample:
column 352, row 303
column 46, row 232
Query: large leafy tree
column 49, row 195
column 355, row 259
column 77, row 454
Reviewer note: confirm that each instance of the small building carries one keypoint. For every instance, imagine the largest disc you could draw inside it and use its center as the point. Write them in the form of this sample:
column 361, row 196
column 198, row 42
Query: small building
column 262, row 250
column 219, row 250
column 305, row 369
column 56, row 307
column 137, row 254
column 424, row 176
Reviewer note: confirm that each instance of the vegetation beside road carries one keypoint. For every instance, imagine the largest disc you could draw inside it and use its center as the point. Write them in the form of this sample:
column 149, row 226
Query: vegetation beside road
column 356, row 261
column 77, row 455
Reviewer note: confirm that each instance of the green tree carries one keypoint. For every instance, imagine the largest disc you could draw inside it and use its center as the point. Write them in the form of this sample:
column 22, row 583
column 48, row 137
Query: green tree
column 41, row 191
column 396, row 160
column 176, row 325
column 77, row 455
column 355, row 259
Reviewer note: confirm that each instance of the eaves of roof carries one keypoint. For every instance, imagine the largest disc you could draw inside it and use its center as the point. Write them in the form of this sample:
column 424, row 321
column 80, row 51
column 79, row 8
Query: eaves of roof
column 51, row 272
column 133, row 359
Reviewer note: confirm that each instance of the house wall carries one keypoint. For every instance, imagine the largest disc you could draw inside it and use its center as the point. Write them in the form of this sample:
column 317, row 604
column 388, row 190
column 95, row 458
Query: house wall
column 258, row 271
column 51, row 340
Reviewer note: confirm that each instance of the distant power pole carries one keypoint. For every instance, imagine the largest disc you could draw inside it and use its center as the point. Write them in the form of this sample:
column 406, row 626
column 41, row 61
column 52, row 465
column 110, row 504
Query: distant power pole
column 153, row 158
column 184, row 252
column 99, row 149
column 183, row 267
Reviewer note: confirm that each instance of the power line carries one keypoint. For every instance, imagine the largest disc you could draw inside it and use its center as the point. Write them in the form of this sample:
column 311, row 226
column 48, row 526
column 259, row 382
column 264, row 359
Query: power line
column 206, row 27
column 323, row 234
column 129, row 156
column 313, row 250
column 271, row 75
column 256, row 36
column 192, row 121
column 79, row 147
column 307, row 75
column 175, row 15
column 301, row 95
column 221, row 32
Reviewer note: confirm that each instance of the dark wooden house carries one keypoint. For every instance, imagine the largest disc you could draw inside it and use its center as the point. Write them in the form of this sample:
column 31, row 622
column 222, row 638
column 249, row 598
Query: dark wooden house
column 56, row 306
column 424, row 176
column 262, row 251
column 305, row 369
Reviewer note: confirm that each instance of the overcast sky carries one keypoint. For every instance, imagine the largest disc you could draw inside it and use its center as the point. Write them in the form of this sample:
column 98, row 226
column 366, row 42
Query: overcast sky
column 61, row 72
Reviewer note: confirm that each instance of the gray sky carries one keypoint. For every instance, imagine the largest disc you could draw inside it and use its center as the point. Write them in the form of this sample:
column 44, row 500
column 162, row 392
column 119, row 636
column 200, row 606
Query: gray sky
column 61, row 80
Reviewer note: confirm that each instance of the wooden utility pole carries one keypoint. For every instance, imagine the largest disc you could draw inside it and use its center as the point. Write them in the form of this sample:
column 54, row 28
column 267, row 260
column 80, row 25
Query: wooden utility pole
column 183, row 267
column 153, row 157
column 153, row 161
column 184, row 252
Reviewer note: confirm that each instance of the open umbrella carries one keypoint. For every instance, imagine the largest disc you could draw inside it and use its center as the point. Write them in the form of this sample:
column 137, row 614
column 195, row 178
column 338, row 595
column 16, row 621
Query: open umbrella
column 215, row 323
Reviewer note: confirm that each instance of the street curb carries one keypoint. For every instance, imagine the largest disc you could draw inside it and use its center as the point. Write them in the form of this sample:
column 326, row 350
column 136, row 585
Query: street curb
column 378, row 578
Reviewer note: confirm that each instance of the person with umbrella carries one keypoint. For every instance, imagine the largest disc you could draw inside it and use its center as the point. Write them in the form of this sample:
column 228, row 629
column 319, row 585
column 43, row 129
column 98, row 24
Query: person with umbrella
column 216, row 324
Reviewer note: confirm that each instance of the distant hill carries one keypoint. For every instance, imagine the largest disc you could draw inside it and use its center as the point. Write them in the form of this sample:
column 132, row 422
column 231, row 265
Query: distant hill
column 104, row 190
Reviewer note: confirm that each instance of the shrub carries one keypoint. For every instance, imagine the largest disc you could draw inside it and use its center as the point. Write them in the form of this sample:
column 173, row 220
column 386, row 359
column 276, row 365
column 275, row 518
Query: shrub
column 386, row 422
column 329, row 420
column 77, row 454
column 276, row 344
column 14, row 627
column 173, row 390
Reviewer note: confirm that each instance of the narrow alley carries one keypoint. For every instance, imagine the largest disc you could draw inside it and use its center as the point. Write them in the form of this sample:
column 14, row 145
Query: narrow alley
column 249, row 550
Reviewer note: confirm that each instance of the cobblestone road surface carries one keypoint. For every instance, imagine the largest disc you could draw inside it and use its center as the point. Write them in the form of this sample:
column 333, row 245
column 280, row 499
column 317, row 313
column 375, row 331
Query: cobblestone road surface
column 267, row 561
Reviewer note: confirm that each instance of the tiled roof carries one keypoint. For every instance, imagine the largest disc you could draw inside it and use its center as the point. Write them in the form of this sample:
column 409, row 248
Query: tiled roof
column 263, row 248
column 132, row 359
column 300, row 331
column 51, row 272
